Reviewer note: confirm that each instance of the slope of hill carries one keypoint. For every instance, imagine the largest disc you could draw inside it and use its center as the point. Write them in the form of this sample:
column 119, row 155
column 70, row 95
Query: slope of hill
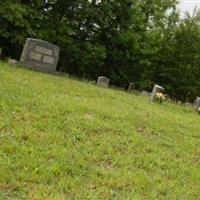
column 66, row 139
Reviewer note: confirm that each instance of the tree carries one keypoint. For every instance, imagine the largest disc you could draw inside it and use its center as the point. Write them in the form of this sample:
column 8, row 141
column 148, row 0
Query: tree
column 181, row 59
column 18, row 20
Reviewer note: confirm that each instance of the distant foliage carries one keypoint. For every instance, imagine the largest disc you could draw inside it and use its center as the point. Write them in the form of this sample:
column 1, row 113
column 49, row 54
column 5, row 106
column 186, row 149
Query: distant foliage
column 143, row 42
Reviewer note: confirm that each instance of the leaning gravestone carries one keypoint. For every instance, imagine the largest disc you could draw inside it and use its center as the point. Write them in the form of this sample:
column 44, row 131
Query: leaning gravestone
column 197, row 104
column 156, row 89
column 40, row 54
column 103, row 81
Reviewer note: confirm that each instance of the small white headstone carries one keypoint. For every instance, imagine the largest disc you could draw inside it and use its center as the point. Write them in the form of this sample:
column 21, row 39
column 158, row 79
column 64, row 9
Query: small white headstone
column 156, row 89
column 103, row 81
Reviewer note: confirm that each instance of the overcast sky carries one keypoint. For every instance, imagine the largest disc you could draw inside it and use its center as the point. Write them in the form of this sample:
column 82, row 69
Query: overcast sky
column 189, row 5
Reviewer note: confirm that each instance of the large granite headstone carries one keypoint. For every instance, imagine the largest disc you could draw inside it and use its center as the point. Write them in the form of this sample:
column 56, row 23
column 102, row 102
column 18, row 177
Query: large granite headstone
column 197, row 104
column 156, row 89
column 103, row 81
column 40, row 54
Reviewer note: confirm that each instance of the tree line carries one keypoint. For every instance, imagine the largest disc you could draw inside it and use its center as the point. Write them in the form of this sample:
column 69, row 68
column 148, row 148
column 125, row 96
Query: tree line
column 139, row 41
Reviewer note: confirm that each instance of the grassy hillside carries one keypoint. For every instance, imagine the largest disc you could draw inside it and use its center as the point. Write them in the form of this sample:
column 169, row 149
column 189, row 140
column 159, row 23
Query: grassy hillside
column 65, row 139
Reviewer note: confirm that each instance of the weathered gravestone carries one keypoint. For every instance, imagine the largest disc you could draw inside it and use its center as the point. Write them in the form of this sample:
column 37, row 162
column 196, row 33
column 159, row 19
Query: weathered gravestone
column 131, row 88
column 40, row 54
column 103, row 81
column 156, row 89
column 197, row 104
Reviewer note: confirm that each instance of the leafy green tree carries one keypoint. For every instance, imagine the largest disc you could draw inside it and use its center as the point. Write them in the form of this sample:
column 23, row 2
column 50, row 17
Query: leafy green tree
column 19, row 20
column 181, row 59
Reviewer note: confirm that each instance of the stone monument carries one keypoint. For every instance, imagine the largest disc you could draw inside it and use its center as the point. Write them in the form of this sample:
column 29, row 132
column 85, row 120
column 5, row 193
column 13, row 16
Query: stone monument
column 103, row 81
column 156, row 89
column 39, row 54
column 131, row 88
column 197, row 104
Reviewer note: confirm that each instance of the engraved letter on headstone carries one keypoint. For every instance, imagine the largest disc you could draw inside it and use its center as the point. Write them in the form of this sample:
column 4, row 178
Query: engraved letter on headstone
column 44, row 50
column 35, row 56
column 48, row 59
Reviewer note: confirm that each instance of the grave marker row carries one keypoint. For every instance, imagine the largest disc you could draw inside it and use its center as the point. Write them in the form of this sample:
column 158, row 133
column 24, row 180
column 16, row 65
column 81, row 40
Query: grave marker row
column 43, row 55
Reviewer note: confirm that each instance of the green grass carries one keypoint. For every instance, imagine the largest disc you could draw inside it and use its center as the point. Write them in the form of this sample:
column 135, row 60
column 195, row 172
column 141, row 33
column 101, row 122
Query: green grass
column 65, row 139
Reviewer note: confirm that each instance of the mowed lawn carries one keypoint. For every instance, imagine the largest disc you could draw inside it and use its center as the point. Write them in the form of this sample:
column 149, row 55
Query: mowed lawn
column 65, row 139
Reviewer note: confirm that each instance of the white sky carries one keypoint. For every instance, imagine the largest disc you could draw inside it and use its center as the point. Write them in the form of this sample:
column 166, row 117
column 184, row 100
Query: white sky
column 188, row 6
